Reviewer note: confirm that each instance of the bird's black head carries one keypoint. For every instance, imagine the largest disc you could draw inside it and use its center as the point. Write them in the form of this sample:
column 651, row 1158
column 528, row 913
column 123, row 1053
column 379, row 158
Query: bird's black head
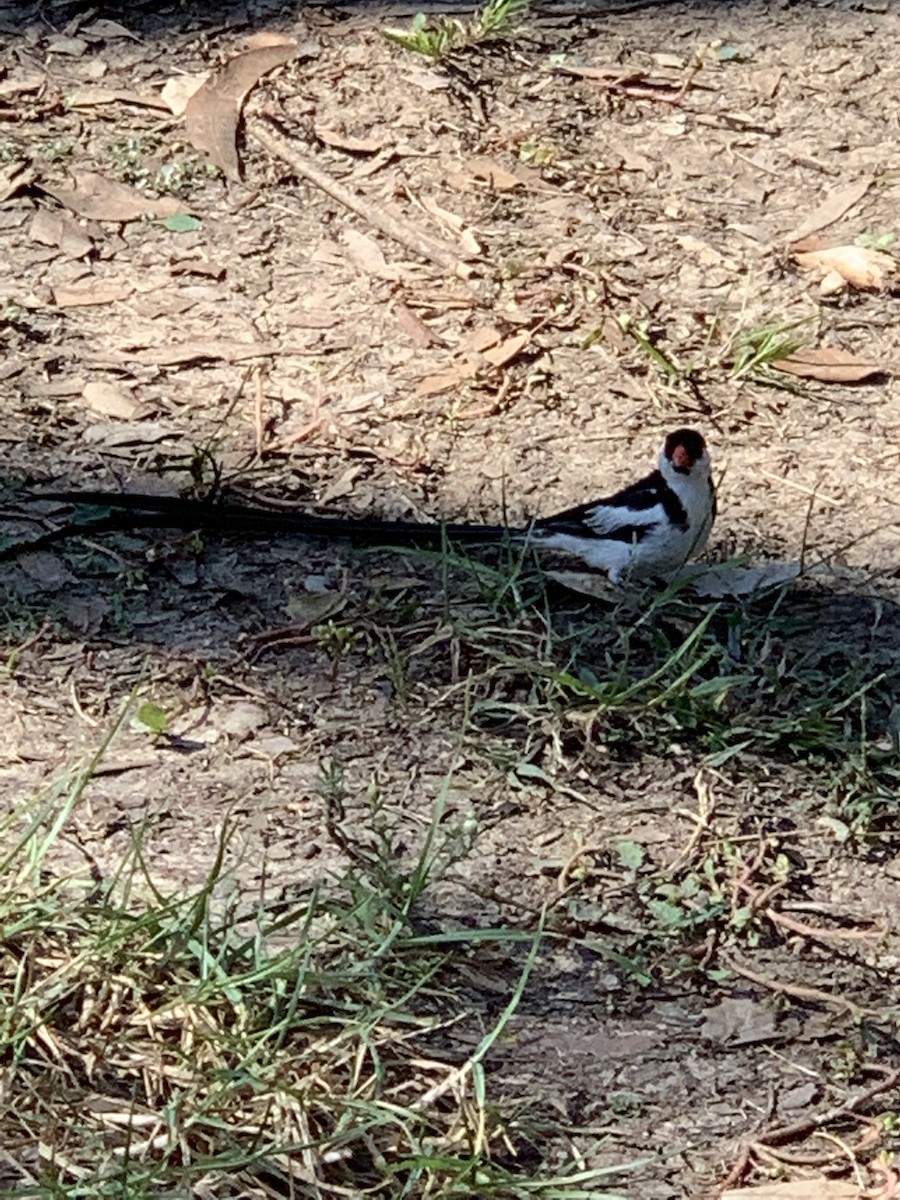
column 684, row 448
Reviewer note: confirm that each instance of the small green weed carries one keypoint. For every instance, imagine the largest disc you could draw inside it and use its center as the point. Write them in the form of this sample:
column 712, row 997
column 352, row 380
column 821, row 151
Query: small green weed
column 499, row 19
column 748, row 352
column 142, row 160
column 11, row 151
column 337, row 641
column 57, row 150
column 753, row 351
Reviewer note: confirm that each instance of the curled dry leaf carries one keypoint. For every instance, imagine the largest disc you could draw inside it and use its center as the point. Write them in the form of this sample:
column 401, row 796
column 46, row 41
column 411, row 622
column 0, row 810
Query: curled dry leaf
column 32, row 82
column 480, row 339
column 187, row 352
column 105, row 30
column 829, row 365
column 482, row 348
column 587, row 583
column 739, row 1022
column 198, row 266
column 860, row 266
column 46, row 569
column 718, row 580
column 213, row 112
column 711, row 581
column 72, row 46
column 15, row 178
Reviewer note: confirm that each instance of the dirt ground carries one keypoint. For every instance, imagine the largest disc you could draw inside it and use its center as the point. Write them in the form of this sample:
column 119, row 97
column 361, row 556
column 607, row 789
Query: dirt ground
column 317, row 361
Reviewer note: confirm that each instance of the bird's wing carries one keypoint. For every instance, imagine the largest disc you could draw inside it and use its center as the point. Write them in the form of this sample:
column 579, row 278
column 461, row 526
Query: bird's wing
column 628, row 516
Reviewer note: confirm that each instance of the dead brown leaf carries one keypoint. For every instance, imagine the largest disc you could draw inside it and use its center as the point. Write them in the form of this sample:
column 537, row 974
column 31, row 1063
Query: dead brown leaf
column 15, row 178
column 370, row 166
column 130, row 433
column 213, row 112
column 830, row 365
column 492, row 173
column 444, row 381
column 508, row 350
column 97, row 291
column 177, row 91
column 92, row 97
column 365, row 254
column 830, row 210
column 666, row 86
column 355, row 145
column 451, row 220
column 421, row 333
column 739, row 1022
column 109, row 400
column 311, row 318
column 860, row 266
column 58, row 229
column 593, row 584
column 264, row 39
column 107, row 30
column 480, row 339
column 61, row 43
column 59, row 388
column 101, row 199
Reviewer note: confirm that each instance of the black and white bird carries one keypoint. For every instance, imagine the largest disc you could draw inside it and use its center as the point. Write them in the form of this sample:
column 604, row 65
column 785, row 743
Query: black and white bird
column 647, row 530
column 650, row 528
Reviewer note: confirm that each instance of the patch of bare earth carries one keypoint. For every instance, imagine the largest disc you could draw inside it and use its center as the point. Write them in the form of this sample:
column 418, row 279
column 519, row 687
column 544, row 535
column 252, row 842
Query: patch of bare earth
column 747, row 1026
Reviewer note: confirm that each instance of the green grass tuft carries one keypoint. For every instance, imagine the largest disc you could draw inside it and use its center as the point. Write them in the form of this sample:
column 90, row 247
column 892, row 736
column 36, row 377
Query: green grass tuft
column 196, row 1044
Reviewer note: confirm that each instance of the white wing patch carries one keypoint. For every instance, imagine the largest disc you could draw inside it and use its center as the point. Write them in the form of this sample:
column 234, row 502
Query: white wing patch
column 605, row 518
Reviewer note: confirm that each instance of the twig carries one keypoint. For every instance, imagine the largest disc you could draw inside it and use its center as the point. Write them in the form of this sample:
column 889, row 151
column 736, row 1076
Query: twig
column 413, row 239
column 258, row 421
column 801, row 487
column 799, row 991
column 822, row 935
column 782, row 1134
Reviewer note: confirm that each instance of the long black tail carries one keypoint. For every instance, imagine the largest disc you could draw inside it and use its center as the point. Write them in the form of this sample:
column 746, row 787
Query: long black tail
column 172, row 512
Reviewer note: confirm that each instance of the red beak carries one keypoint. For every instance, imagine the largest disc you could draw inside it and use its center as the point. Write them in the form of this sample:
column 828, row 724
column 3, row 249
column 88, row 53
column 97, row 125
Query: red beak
column 681, row 460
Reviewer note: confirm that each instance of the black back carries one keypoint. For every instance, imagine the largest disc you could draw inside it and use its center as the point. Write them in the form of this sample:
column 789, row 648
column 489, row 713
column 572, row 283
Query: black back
column 638, row 497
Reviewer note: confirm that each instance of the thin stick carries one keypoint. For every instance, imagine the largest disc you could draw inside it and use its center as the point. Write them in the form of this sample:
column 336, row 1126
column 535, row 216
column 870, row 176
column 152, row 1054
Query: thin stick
column 798, row 991
column 800, row 487
column 416, row 240
column 258, row 421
